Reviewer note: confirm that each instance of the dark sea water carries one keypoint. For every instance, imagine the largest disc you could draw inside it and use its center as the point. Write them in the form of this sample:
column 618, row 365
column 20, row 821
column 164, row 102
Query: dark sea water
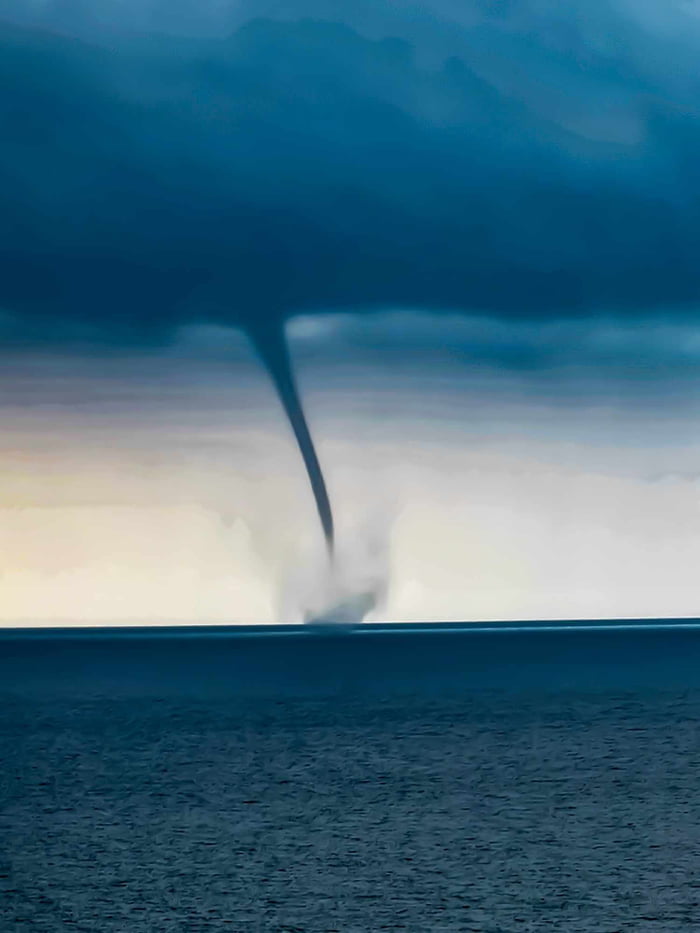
column 478, row 778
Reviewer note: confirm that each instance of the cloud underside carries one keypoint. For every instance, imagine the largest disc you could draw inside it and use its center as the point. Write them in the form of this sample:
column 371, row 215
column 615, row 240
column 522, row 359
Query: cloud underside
column 300, row 166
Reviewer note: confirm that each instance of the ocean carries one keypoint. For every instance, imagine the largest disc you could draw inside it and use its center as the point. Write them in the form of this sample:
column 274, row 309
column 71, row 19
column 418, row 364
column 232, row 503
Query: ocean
column 502, row 777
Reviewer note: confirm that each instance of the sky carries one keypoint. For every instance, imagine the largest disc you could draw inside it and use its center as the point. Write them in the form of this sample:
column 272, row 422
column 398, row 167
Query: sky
column 469, row 231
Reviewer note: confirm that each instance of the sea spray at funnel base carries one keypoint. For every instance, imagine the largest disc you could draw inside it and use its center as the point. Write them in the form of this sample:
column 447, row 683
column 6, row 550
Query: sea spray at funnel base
column 350, row 589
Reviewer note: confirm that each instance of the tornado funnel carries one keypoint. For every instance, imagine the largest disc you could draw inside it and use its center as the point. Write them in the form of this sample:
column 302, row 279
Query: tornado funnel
column 273, row 350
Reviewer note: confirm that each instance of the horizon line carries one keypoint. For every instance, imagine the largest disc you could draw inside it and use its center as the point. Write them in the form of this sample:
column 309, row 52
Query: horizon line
column 34, row 628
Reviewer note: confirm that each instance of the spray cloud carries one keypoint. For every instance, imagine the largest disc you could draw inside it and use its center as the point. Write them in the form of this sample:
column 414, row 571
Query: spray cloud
column 353, row 587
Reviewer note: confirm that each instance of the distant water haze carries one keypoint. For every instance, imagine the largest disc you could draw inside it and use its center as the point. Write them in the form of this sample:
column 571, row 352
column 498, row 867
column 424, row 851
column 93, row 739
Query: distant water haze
column 165, row 486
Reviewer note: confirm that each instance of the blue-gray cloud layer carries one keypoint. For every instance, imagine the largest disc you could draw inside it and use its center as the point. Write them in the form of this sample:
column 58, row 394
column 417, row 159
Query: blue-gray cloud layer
column 482, row 158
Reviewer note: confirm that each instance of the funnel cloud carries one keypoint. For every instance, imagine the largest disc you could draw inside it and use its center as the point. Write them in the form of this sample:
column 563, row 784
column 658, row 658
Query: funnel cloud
column 274, row 351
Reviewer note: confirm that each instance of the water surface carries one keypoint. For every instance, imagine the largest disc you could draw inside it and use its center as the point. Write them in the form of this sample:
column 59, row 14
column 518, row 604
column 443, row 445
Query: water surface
column 460, row 778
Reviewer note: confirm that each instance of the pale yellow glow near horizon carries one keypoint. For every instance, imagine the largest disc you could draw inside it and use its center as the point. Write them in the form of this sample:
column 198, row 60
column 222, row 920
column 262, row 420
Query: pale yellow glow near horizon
column 467, row 538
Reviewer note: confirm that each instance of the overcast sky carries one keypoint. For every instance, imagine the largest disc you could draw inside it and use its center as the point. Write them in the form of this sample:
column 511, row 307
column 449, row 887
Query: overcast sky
column 478, row 224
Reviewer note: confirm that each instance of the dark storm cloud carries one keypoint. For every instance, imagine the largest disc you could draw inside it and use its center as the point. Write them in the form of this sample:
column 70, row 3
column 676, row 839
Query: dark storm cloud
column 514, row 160
column 301, row 166
column 572, row 360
